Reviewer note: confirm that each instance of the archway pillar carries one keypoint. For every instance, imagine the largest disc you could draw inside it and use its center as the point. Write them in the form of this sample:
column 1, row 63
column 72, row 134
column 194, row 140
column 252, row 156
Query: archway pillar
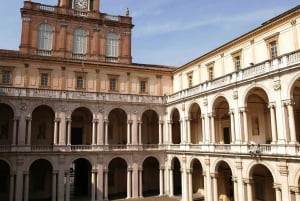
column 208, row 189
column 161, row 181
column 232, row 126
column 245, row 124
column 22, row 129
column 100, row 125
column 129, row 183
column 296, row 190
column 291, row 120
column 215, row 186
column 277, row 188
column 235, row 188
column 54, row 186
column 249, row 183
column 56, row 123
column 105, row 122
column 105, row 184
column 171, row 186
column 11, row 186
column 182, row 129
column 134, row 129
column 204, row 135
column 212, row 128
column 19, row 180
column 135, row 180
column 169, row 139
column 189, row 188
column 94, row 131
column 67, row 173
column 140, row 132
column 100, row 180
column 129, row 123
column 160, row 132
column 28, row 137
column 273, row 122
column 60, row 179
column 69, row 122
column 26, row 186
column 14, row 142
column 93, row 185
column 188, row 129
column 141, row 182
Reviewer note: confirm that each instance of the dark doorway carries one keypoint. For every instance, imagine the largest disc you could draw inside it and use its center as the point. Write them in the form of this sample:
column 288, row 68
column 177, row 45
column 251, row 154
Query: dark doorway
column 76, row 138
column 226, row 135
column 177, row 177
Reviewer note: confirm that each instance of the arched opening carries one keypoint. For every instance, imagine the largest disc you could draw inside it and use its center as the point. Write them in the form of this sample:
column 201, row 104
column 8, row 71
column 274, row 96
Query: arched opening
column 177, row 185
column 42, row 127
column 150, row 177
column 258, row 117
column 225, row 183
column 80, row 179
column 81, row 131
column 6, row 124
column 117, row 179
column 176, row 135
column 197, row 180
column 222, row 121
column 195, row 124
column 150, row 127
column 40, row 180
column 4, row 181
column 296, row 106
column 262, row 183
column 117, row 127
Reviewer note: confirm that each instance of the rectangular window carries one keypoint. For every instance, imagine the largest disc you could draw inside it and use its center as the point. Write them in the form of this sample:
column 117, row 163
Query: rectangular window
column 237, row 62
column 190, row 79
column 112, row 84
column 79, row 82
column 143, row 85
column 5, row 77
column 273, row 49
column 211, row 73
column 44, row 79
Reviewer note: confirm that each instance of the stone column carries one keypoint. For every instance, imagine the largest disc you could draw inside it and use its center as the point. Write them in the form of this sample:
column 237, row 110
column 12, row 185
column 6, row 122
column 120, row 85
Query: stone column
column 188, row 129
column 100, row 132
column 215, row 186
column 182, row 129
column 106, row 184
column 273, row 122
column 212, row 127
column 19, row 180
column 54, row 187
column 297, row 194
column 140, row 132
column 129, row 183
column 129, row 132
column 291, row 118
column 249, row 188
column 106, row 131
column 161, row 181
column 235, row 188
column 205, row 139
column 14, row 139
column 26, row 186
column 69, row 122
column 11, row 186
column 190, row 184
column 277, row 192
column 60, row 181
column 232, row 126
column 245, row 124
column 208, row 189
column 28, row 139
column 67, row 173
column 170, row 132
column 56, row 121
column 160, row 134
column 95, row 122
column 93, row 186
column 141, row 183
column 171, row 182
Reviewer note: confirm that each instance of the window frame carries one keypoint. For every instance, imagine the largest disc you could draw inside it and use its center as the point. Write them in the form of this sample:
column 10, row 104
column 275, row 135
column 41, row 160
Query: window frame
column 82, row 80
column 190, row 79
column 210, row 70
column 143, row 85
column 47, row 72
column 273, row 39
column 79, row 42
column 114, row 78
column 112, row 46
column 45, row 37
column 237, row 59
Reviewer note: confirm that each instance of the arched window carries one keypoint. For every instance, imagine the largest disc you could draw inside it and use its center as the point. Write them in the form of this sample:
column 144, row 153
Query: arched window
column 45, row 36
column 79, row 41
column 112, row 45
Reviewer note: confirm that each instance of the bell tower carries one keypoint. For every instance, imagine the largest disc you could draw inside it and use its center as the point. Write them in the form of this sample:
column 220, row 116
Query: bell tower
column 75, row 29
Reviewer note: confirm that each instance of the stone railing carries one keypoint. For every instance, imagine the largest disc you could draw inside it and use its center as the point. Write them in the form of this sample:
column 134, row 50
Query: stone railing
column 281, row 63
column 112, row 17
column 79, row 95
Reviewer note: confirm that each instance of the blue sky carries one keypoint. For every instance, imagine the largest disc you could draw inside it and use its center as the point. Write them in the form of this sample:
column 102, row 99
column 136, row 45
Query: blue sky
column 168, row 32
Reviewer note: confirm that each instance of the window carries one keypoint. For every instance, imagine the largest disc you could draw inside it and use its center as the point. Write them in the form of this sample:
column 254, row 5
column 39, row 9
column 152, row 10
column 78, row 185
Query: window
column 79, row 42
column 190, row 79
column 112, row 46
column 237, row 59
column 143, row 86
column 80, row 80
column 237, row 62
column 44, row 79
column 210, row 70
column 45, row 35
column 273, row 49
column 6, row 76
column 272, row 45
column 113, row 82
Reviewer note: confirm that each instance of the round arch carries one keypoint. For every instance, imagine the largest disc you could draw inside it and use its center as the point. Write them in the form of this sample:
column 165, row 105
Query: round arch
column 150, row 184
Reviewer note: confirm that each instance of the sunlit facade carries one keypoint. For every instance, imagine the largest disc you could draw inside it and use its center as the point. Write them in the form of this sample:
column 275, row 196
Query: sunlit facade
column 80, row 121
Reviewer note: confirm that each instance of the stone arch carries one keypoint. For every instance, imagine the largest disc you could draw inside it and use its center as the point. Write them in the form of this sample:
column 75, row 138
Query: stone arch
column 150, row 176
column 225, row 187
column 198, row 187
column 247, row 91
column 5, row 170
column 293, row 106
column 176, row 166
column 196, row 134
column 150, row 127
column 6, row 124
column 176, row 131
column 117, row 127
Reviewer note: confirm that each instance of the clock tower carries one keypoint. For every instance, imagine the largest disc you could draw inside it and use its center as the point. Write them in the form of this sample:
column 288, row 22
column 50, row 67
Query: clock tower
column 75, row 29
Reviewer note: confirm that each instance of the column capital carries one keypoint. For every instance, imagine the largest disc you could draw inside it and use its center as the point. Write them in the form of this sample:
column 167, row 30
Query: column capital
column 295, row 189
column 248, row 180
column 161, row 121
column 189, row 170
column 68, row 119
column 288, row 102
column 170, row 121
column 271, row 105
column 105, row 120
column 28, row 118
column 95, row 120
column 276, row 186
column 130, row 121
column 211, row 115
column 243, row 109
column 214, row 175
column 57, row 119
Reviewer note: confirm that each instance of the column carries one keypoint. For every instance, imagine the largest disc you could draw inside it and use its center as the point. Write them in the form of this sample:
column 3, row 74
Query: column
column 245, row 123
column 26, row 186
column 212, row 126
column 93, row 186
column 170, row 132
column 106, row 184
column 140, row 132
column 277, row 192
column 129, row 172
column 54, row 173
column 208, row 190
column 205, row 139
column 100, row 132
column 235, row 188
column 28, row 139
column 55, row 131
column 95, row 121
column 297, row 194
column 67, row 186
column 190, row 184
column 160, row 136
column 69, row 121
column 215, row 186
column 249, row 189
column 171, row 182
column 11, row 187
column 188, row 130
column 295, row 34
column 232, row 127
column 273, row 123
column 161, row 181
column 205, row 186
column 100, row 181
column 106, row 131
column 182, row 129
column 14, row 140
column 61, row 183
column 19, row 183
column 141, row 182
column 291, row 118
column 128, row 132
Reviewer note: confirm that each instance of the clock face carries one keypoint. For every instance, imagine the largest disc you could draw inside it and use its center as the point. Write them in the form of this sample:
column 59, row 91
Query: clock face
column 81, row 4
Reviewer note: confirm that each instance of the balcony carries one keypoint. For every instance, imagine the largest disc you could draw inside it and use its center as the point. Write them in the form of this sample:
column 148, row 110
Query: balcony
column 281, row 63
